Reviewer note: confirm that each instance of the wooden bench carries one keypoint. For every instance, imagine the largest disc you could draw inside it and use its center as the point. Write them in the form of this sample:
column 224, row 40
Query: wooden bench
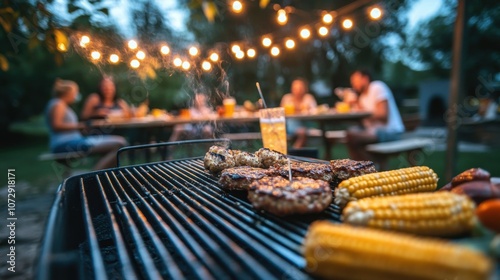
column 381, row 152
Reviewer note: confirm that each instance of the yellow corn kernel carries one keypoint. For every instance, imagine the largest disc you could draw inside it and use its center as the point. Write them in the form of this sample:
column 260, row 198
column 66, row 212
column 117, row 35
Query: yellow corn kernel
column 341, row 251
column 394, row 182
column 431, row 214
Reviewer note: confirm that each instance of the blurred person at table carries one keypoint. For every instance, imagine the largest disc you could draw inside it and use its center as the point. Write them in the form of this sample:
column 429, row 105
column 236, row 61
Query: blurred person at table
column 64, row 128
column 385, row 123
column 104, row 102
column 198, row 109
column 303, row 103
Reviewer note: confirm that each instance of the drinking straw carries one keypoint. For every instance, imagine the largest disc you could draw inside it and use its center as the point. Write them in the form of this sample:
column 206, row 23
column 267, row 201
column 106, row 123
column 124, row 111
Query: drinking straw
column 289, row 171
column 261, row 96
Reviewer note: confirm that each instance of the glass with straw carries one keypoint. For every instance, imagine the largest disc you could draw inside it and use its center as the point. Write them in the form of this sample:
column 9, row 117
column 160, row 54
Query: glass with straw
column 273, row 127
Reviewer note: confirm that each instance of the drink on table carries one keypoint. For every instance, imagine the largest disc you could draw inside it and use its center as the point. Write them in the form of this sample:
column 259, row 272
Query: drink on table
column 273, row 129
column 289, row 109
column 229, row 104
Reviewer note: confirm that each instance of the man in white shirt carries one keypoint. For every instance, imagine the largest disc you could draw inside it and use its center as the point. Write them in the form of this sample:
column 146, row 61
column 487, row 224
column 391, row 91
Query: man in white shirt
column 385, row 123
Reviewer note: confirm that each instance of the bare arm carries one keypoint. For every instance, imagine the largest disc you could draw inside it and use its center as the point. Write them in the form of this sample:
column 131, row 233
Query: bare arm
column 57, row 119
column 124, row 106
column 380, row 112
column 88, row 108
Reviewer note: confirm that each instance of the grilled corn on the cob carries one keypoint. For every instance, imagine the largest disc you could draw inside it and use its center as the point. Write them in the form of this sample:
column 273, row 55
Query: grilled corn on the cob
column 341, row 251
column 432, row 214
column 394, row 182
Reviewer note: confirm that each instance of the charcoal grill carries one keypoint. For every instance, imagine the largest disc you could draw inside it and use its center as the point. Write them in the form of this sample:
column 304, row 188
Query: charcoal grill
column 167, row 220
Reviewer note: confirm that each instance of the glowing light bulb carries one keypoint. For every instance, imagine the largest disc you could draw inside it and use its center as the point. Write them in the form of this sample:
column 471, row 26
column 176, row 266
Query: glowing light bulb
column 214, row 57
column 114, row 58
column 140, row 55
column 275, row 51
column 206, row 65
column 177, row 62
column 61, row 47
column 251, row 53
column 327, row 18
column 84, row 40
column 305, row 33
column 282, row 17
column 132, row 44
column 323, row 31
column 193, row 51
column 186, row 65
column 290, row 44
column 266, row 41
column 347, row 24
column 135, row 63
column 237, row 7
column 375, row 13
column 165, row 50
column 239, row 54
column 235, row 48
column 95, row 55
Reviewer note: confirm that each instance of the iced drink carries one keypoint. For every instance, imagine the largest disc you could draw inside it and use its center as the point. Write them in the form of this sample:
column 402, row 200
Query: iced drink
column 273, row 129
column 229, row 104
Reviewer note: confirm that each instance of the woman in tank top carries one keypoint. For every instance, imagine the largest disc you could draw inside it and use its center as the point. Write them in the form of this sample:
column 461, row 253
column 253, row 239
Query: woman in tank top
column 99, row 105
column 64, row 128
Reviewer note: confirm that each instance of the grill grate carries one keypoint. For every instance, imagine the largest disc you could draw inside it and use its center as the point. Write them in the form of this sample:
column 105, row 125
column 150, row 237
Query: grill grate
column 172, row 220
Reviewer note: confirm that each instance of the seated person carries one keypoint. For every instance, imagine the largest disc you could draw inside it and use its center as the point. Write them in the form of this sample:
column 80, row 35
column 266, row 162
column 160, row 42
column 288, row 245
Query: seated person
column 199, row 109
column 64, row 128
column 385, row 123
column 99, row 105
column 304, row 103
column 488, row 109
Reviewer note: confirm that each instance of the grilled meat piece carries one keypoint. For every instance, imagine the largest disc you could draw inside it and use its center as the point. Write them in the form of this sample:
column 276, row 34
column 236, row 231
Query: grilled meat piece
column 218, row 158
column 242, row 158
column 344, row 169
column 318, row 171
column 240, row 178
column 280, row 197
column 270, row 158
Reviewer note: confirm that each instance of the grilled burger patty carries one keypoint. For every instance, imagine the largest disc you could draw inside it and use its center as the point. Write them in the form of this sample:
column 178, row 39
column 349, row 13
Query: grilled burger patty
column 269, row 157
column 344, row 169
column 240, row 178
column 280, row 197
column 218, row 158
column 318, row 171
column 242, row 158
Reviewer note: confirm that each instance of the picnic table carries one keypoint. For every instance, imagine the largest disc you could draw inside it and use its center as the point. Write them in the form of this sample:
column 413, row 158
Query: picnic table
column 323, row 119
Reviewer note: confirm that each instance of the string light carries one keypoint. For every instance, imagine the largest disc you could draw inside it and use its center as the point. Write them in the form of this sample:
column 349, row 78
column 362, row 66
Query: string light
column 165, row 50
column 114, row 58
column 275, row 51
column 375, row 13
column 177, row 62
column 140, row 55
column 239, row 54
column 186, row 65
column 193, row 51
column 132, row 44
column 135, row 63
column 84, row 41
column 347, row 24
column 95, row 55
column 206, row 65
column 323, row 31
column 214, row 57
column 282, row 17
column 305, row 33
column 266, row 42
column 290, row 43
column 251, row 53
column 237, row 7
column 327, row 18
column 235, row 48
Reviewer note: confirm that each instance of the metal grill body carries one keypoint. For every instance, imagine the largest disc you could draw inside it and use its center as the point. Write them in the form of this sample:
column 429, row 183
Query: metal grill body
column 167, row 220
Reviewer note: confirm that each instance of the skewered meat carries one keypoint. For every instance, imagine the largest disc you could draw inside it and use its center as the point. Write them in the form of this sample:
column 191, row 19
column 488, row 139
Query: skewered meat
column 318, row 171
column 281, row 197
column 270, row 158
column 344, row 169
column 218, row 158
column 240, row 178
